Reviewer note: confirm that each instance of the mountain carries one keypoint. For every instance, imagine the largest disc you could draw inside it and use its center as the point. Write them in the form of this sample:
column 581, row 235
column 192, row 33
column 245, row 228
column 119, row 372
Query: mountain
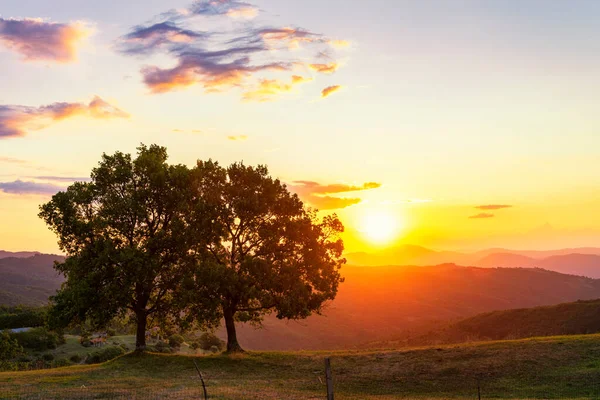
column 20, row 254
column 28, row 281
column 376, row 303
column 580, row 261
column 575, row 318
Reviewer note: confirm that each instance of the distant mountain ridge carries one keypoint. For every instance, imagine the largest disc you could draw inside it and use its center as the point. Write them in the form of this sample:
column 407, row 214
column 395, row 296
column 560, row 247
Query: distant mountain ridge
column 578, row 261
column 18, row 254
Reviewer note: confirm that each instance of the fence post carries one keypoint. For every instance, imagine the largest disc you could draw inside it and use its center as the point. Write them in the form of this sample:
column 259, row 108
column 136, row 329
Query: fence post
column 478, row 389
column 201, row 380
column 329, row 379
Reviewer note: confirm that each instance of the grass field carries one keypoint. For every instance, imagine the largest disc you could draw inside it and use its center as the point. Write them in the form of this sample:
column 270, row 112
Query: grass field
column 556, row 367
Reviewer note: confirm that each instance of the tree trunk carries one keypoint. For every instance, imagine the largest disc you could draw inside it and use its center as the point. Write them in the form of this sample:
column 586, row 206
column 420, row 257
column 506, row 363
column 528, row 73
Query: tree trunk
column 232, row 343
column 140, row 337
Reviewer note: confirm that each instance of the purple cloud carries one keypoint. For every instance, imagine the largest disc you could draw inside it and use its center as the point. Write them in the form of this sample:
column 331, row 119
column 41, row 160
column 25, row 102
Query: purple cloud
column 22, row 187
column 39, row 40
column 482, row 216
column 231, row 8
column 17, row 120
column 150, row 39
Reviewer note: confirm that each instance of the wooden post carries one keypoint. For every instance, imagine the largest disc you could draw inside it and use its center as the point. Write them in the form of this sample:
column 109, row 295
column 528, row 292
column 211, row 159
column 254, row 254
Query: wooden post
column 478, row 389
column 329, row 379
column 201, row 380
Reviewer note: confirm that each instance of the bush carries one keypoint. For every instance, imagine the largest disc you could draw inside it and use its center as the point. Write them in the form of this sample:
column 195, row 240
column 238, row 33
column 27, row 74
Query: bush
column 76, row 358
column 48, row 357
column 39, row 339
column 124, row 347
column 214, row 349
column 62, row 362
column 110, row 332
column 195, row 346
column 175, row 341
column 9, row 347
column 104, row 355
column 162, row 347
column 21, row 317
column 208, row 340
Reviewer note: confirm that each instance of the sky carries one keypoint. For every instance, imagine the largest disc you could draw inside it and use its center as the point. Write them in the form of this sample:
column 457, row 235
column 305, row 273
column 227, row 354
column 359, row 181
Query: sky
column 451, row 124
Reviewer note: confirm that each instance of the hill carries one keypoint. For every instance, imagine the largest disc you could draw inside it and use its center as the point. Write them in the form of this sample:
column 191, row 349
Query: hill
column 575, row 318
column 28, row 281
column 376, row 303
column 558, row 367
column 19, row 254
column 581, row 261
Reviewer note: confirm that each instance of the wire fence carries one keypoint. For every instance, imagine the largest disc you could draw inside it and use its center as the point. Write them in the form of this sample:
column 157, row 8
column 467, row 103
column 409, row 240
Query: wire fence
column 347, row 384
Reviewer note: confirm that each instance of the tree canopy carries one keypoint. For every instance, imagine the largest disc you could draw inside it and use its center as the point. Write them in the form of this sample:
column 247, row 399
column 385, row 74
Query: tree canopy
column 264, row 249
column 173, row 245
column 125, row 239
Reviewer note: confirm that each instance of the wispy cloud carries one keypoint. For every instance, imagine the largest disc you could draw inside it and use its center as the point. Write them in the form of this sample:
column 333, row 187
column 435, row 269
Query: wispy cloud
column 10, row 160
column 32, row 188
column 38, row 40
column 230, row 57
column 237, row 138
column 62, row 178
column 330, row 90
column 269, row 89
column 316, row 193
column 482, row 216
column 17, row 121
column 493, row 207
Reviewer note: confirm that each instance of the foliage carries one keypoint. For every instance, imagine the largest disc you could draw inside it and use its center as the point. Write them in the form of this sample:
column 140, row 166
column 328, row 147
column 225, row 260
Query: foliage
column 9, row 347
column 162, row 347
column 40, row 339
column 21, row 317
column 260, row 249
column 175, row 341
column 47, row 356
column 104, row 355
column 76, row 358
column 125, row 238
column 208, row 340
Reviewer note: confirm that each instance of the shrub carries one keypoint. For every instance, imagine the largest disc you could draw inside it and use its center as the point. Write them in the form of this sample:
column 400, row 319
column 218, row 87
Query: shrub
column 124, row 346
column 48, row 357
column 162, row 347
column 9, row 347
column 76, row 358
column 208, row 340
column 62, row 362
column 175, row 341
column 104, row 355
column 195, row 346
column 110, row 332
column 39, row 339
column 214, row 349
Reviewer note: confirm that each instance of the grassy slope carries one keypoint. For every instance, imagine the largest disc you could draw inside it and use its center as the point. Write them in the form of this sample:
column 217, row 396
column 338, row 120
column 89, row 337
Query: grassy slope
column 557, row 367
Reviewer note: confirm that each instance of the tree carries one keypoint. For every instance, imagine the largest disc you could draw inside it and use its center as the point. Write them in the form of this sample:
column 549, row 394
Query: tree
column 261, row 249
column 124, row 235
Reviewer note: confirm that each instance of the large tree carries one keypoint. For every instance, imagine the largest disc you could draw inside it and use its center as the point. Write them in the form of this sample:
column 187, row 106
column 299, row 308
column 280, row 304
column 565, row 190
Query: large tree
column 261, row 249
column 124, row 234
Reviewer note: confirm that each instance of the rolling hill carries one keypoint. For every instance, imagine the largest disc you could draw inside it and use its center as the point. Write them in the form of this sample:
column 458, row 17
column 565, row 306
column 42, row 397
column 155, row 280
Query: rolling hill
column 28, row 281
column 583, row 261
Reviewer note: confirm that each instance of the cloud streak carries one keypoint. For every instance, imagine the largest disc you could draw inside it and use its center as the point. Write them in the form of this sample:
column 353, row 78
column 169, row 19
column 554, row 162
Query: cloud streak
column 493, row 207
column 20, row 187
column 328, row 91
column 17, row 121
column 39, row 40
column 482, row 216
column 317, row 194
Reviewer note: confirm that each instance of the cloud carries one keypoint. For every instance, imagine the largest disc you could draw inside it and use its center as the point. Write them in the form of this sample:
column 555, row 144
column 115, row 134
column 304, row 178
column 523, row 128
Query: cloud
column 39, row 40
column 22, row 188
column 269, row 89
column 330, row 90
column 10, row 160
column 482, row 216
column 237, row 137
column 231, row 8
column 328, row 68
column 316, row 193
column 62, row 178
column 149, row 39
column 493, row 206
column 230, row 58
column 16, row 120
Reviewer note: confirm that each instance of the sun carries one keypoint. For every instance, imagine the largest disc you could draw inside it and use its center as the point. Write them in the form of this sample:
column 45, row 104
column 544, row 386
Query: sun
column 379, row 226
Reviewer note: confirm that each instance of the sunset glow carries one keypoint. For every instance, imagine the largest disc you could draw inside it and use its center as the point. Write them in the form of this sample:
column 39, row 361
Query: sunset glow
column 379, row 227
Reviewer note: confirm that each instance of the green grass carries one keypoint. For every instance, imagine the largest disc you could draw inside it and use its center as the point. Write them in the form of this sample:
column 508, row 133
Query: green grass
column 556, row 367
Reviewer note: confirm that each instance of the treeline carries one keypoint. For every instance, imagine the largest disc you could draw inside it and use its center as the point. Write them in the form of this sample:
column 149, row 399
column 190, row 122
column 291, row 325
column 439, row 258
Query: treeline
column 22, row 317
